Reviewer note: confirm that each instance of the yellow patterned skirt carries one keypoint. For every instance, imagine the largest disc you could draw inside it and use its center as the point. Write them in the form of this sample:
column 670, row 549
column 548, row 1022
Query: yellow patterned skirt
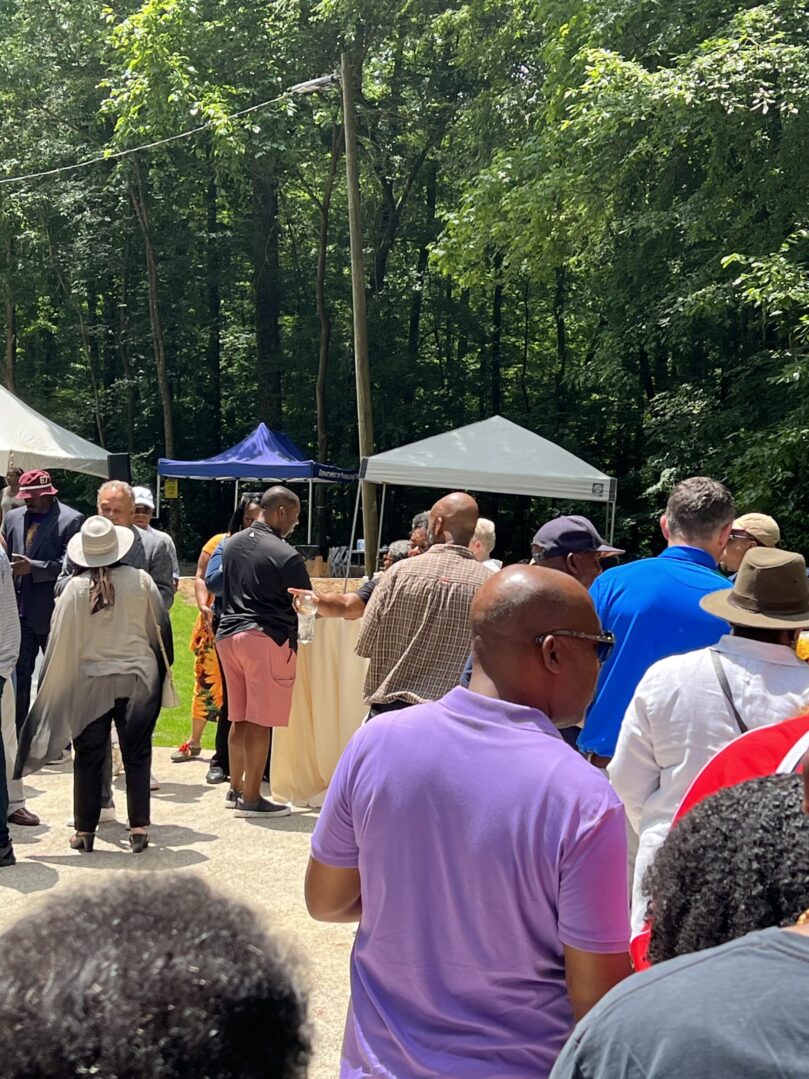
column 206, row 703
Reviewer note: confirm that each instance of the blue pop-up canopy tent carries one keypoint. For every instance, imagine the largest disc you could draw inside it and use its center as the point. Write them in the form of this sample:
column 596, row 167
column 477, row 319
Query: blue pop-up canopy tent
column 266, row 456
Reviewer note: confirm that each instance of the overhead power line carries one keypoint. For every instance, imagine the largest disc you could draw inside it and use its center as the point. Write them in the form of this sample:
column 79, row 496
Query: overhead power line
column 313, row 86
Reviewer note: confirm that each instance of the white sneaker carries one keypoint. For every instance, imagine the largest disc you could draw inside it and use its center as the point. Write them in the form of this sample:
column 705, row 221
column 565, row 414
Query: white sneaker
column 153, row 784
column 117, row 760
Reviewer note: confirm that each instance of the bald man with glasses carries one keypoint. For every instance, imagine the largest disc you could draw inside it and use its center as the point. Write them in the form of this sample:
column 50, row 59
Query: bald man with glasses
column 483, row 858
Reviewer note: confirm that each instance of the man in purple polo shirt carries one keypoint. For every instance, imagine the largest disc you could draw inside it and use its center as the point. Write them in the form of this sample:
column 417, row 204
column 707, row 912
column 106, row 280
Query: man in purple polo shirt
column 484, row 859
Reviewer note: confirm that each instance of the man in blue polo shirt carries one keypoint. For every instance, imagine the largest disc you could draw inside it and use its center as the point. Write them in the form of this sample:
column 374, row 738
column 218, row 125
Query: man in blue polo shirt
column 652, row 606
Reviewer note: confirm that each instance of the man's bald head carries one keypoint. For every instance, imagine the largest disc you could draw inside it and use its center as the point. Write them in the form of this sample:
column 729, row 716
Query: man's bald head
column 280, row 509
column 510, row 611
column 453, row 519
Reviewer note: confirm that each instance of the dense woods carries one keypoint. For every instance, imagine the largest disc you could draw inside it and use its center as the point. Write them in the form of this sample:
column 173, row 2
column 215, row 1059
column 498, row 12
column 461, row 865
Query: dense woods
column 592, row 218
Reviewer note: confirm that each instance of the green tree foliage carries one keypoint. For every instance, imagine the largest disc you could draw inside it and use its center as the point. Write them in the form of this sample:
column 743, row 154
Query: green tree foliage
column 589, row 217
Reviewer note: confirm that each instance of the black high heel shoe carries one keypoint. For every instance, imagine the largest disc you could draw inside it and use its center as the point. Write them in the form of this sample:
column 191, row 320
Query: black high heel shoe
column 83, row 841
column 138, row 841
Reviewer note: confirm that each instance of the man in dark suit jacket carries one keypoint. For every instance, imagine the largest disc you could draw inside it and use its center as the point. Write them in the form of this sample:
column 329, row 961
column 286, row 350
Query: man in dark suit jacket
column 36, row 537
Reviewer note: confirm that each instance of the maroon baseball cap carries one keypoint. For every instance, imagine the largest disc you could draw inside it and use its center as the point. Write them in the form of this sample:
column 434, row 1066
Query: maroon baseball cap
column 35, row 483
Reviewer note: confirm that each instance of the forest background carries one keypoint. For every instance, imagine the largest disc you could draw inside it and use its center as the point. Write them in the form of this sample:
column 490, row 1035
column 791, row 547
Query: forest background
column 591, row 217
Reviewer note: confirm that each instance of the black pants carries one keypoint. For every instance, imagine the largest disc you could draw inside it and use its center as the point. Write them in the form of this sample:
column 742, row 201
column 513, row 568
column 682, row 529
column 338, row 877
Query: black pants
column 90, row 748
column 5, row 839
column 30, row 646
column 220, row 757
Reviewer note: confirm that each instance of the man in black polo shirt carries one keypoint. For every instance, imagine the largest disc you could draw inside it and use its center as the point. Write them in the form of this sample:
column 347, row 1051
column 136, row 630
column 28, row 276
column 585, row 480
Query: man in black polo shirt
column 257, row 641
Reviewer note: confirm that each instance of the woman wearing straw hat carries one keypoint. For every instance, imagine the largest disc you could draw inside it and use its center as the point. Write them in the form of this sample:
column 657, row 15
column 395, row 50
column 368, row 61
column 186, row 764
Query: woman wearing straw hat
column 104, row 663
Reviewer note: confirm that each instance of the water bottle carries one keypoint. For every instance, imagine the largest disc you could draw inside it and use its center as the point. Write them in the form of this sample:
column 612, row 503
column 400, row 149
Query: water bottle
column 307, row 608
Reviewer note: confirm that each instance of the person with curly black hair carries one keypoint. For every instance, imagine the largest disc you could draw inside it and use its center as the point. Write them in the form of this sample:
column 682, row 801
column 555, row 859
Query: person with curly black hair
column 737, row 862
column 119, row 982
column 729, row 896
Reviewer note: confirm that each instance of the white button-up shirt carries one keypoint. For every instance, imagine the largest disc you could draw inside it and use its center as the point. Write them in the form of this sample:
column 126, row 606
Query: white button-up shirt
column 679, row 718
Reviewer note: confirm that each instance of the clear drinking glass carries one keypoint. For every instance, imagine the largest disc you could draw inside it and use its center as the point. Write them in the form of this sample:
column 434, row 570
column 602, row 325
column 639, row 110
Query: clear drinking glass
column 307, row 608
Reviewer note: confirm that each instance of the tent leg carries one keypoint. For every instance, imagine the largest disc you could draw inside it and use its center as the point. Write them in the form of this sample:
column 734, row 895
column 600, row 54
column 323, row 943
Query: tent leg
column 309, row 531
column 379, row 530
column 157, row 496
column 236, row 495
column 612, row 523
column 353, row 536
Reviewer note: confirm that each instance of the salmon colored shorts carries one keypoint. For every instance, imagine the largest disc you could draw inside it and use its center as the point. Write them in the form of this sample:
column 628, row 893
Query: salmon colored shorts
column 260, row 677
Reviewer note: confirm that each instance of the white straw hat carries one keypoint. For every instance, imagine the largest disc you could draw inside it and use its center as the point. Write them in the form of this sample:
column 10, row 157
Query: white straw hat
column 100, row 543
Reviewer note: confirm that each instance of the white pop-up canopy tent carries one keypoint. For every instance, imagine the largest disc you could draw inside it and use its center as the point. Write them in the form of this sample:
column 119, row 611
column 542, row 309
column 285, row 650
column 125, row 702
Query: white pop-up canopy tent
column 29, row 440
column 493, row 455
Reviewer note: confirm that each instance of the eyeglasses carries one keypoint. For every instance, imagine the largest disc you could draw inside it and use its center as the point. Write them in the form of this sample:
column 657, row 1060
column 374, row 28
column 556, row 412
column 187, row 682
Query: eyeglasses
column 745, row 537
column 604, row 641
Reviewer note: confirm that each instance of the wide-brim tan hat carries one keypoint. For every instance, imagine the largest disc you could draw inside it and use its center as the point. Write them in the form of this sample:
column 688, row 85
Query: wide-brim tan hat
column 771, row 591
column 99, row 543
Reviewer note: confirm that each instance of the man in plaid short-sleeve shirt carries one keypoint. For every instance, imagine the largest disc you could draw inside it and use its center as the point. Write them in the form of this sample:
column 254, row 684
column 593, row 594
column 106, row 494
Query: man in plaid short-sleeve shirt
column 415, row 630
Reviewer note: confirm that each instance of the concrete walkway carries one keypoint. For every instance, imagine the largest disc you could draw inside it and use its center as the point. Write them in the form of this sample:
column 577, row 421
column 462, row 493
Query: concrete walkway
column 261, row 863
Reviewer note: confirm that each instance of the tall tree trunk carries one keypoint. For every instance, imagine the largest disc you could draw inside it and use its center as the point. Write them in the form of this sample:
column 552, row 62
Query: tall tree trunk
column 85, row 340
column 526, row 344
column 497, row 337
column 9, row 374
column 140, row 203
column 324, row 319
column 267, row 285
column 110, row 368
column 123, row 349
column 139, row 196
column 214, row 302
column 645, row 374
column 421, row 268
column 559, row 298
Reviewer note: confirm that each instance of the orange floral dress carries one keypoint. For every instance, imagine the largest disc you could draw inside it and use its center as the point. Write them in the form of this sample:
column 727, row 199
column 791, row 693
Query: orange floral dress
column 206, row 702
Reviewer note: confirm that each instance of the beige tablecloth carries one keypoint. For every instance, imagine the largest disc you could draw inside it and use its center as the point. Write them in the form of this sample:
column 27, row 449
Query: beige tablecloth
column 327, row 707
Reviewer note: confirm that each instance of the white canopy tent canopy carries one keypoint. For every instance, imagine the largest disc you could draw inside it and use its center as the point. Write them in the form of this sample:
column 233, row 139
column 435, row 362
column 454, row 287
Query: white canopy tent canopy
column 29, row 440
column 492, row 455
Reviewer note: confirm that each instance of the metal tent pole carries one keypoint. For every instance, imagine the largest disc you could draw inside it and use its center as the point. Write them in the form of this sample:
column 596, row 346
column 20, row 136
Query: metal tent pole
column 309, row 532
column 353, row 535
column 157, row 495
column 236, row 495
column 379, row 530
column 612, row 521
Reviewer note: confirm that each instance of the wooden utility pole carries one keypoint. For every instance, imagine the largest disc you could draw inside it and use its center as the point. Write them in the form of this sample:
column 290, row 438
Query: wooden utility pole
column 365, row 419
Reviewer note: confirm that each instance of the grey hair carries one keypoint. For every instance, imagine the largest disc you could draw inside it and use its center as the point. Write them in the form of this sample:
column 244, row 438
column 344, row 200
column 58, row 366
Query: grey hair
column 484, row 531
column 421, row 520
column 698, row 507
column 118, row 485
column 398, row 550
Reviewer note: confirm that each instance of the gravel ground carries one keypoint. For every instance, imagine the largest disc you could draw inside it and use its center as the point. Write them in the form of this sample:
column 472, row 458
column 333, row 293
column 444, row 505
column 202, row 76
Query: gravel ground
column 261, row 863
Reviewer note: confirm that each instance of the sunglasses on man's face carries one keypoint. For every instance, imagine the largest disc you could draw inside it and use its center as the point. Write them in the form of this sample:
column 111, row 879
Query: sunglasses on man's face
column 604, row 642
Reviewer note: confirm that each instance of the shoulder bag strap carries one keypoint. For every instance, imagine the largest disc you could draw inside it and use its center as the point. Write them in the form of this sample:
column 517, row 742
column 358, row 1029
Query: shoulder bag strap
column 722, row 678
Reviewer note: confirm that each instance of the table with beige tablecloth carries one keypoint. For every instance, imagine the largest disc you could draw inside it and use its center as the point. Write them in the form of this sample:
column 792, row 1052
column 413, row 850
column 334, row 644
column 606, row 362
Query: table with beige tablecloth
column 327, row 707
